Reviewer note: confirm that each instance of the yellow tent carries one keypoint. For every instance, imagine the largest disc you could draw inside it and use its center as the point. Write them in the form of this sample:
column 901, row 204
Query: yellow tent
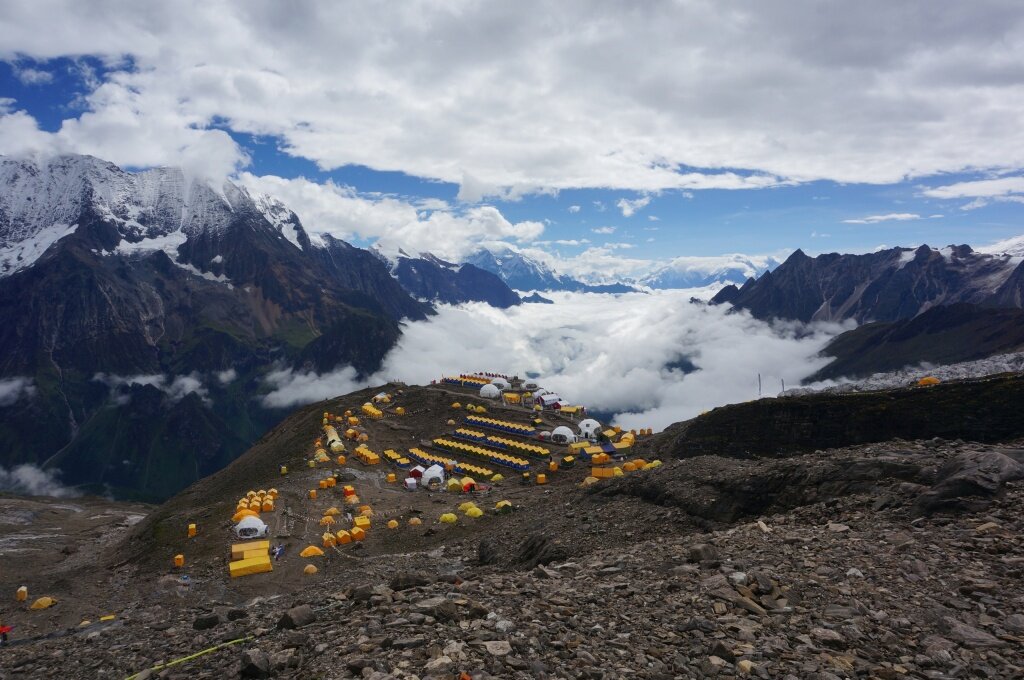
column 456, row 405
column 453, row 485
column 466, row 506
column 357, row 534
column 467, row 480
column 312, row 551
column 331, row 512
column 498, row 477
column 344, row 537
column 392, row 524
column 449, row 518
column 474, row 512
column 928, row 380
column 502, row 504
column 22, row 594
column 328, row 540
column 327, row 521
column 588, row 481
column 415, row 521
column 242, row 514
column 309, row 570
column 43, row 603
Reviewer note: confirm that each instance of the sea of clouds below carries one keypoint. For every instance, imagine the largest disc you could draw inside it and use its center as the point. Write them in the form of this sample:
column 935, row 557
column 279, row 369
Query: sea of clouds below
column 610, row 353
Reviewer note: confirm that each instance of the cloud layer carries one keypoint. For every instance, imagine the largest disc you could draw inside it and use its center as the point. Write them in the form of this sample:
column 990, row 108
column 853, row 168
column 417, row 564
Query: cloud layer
column 617, row 354
column 510, row 98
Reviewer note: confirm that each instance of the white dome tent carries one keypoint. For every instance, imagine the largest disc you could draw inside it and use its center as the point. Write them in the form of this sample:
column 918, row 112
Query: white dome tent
column 501, row 384
column 490, row 392
column 589, row 428
column 251, row 527
column 434, row 475
column 563, row 435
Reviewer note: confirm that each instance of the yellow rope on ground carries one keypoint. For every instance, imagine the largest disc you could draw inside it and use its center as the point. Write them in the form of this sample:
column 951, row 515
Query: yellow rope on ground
column 189, row 657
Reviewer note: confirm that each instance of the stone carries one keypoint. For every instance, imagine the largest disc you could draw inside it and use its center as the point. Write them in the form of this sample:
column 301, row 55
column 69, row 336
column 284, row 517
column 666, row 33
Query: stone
column 837, row 528
column 854, row 572
column 703, row 552
column 410, row 579
column 206, row 621
column 409, row 643
column 297, row 617
column 721, row 650
column 969, row 636
column 1014, row 623
column 827, row 637
column 745, row 667
column 255, row 664
column 498, row 647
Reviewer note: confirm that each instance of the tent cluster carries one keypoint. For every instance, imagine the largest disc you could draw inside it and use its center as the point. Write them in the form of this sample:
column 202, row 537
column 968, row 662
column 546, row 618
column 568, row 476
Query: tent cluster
column 502, row 426
column 466, row 381
column 372, row 411
column 397, row 459
column 251, row 557
column 599, row 473
column 254, row 503
column 491, row 456
column 366, row 455
column 501, row 443
column 431, row 459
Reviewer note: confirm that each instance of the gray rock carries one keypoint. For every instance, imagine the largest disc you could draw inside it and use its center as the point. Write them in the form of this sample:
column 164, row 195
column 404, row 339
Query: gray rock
column 498, row 647
column 255, row 664
column 206, row 621
column 703, row 552
column 297, row 617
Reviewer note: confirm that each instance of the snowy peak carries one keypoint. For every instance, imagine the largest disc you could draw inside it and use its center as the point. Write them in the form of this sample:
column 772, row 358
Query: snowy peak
column 1013, row 247
column 282, row 219
column 695, row 272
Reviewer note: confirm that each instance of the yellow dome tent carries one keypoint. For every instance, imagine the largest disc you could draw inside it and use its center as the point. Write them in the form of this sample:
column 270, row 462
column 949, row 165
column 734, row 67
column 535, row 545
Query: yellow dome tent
column 415, row 521
column 466, row 506
column 474, row 512
column 328, row 540
column 331, row 512
column 498, row 478
column 327, row 521
column 357, row 534
column 242, row 514
column 588, row 481
column 309, row 570
column 22, row 594
column 454, row 486
column 392, row 524
column 928, row 380
column 343, row 537
column 312, row 551
column 449, row 518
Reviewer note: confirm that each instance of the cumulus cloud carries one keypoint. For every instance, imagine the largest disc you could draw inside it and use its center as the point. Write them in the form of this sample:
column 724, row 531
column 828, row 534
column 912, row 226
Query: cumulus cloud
column 574, row 208
column 14, row 389
column 603, row 230
column 889, row 217
column 500, row 98
column 616, row 354
column 395, row 223
column 175, row 387
column 289, row 388
column 30, row 480
column 226, row 377
column 32, row 76
column 630, row 207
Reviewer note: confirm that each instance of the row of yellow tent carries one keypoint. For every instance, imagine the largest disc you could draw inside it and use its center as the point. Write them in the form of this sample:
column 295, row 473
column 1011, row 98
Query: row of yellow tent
column 396, row 458
column 494, row 456
column 598, row 473
column 531, row 449
column 450, row 464
column 366, row 455
column 526, row 430
column 372, row 411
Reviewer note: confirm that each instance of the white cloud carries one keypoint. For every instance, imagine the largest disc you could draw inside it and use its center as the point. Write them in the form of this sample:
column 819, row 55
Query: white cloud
column 574, row 208
column 983, row 188
column 889, row 217
column 653, row 218
column 630, row 207
column 176, row 388
column 501, row 98
column 619, row 246
column 610, row 352
column 32, row 76
column 226, row 377
column 603, row 230
column 414, row 226
column 290, row 388
column 14, row 389
column 30, row 480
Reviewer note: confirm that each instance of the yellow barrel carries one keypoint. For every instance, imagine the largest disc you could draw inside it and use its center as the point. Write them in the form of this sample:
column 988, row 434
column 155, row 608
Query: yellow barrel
column 179, row 560
column 552, row 466
column 312, row 494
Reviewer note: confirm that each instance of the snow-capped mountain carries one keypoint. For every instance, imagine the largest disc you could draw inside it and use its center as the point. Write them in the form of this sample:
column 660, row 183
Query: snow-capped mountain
column 428, row 277
column 1012, row 246
column 696, row 272
column 888, row 285
column 523, row 273
column 137, row 280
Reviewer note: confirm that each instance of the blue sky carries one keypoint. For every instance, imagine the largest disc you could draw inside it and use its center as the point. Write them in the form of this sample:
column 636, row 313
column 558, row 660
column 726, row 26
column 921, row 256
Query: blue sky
column 613, row 150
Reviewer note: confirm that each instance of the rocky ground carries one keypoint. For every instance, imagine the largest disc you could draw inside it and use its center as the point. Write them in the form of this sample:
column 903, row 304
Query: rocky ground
column 890, row 560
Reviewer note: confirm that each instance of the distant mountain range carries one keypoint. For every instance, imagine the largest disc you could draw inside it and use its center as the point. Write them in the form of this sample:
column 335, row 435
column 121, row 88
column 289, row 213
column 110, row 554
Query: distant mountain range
column 888, row 285
column 142, row 310
column 521, row 272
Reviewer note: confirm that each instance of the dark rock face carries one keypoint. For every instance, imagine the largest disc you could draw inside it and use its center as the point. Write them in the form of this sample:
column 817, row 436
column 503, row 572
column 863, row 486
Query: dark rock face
column 885, row 286
column 941, row 335
column 983, row 410
column 970, row 481
column 430, row 278
column 167, row 284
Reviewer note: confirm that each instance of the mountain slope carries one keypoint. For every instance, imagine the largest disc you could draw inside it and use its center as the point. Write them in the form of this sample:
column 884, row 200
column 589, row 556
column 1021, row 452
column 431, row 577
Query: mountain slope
column 888, row 285
column 162, row 279
column 942, row 335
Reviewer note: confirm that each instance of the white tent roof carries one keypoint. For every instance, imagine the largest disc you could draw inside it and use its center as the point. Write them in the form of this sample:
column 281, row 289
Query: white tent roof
column 433, row 472
column 250, row 522
column 589, row 426
column 563, row 430
column 500, row 383
column 550, row 398
column 490, row 392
